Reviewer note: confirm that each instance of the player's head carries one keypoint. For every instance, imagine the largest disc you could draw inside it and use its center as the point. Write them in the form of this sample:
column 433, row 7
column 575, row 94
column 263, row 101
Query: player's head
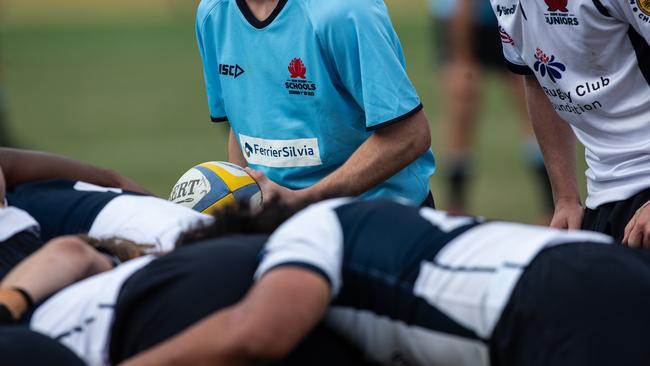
column 241, row 219
column 121, row 249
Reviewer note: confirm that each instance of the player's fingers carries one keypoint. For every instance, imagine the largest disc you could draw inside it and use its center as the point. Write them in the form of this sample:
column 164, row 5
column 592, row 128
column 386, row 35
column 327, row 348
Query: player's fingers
column 574, row 222
column 257, row 175
column 628, row 230
column 558, row 222
column 636, row 236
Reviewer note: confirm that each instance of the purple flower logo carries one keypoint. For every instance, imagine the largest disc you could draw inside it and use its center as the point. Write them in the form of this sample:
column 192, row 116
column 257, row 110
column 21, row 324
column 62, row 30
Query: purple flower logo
column 547, row 65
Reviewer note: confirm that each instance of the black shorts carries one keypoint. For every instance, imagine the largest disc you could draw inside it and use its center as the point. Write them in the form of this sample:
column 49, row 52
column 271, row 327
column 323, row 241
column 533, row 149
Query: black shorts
column 15, row 249
column 611, row 218
column 22, row 347
column 487, row 48
column 578, row 304
column 185, row 286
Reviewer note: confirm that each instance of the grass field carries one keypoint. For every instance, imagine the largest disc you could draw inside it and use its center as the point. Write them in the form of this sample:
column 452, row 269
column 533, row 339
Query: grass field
column 119, row 84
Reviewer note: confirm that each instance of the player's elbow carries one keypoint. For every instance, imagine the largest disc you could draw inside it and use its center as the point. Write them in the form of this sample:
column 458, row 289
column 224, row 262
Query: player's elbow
column 265, row 345
column 419, row 135
column 76, row 252
column 422, row 140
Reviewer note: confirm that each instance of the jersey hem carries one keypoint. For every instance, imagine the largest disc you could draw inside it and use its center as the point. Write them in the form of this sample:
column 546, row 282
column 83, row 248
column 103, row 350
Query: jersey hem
column 395, row 120
column 219, row 119
column 518, row 69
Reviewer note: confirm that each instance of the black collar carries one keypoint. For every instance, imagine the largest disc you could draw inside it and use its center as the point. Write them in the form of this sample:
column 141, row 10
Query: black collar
column 260, row 24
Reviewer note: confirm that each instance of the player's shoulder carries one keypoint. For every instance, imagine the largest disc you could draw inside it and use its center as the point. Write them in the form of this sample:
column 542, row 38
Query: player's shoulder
column 208, row 7
column 340, row 12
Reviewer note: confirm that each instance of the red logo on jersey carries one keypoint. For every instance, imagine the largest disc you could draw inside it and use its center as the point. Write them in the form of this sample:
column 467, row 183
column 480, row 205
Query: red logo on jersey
column 505, row 37
column 557, row 5
column 297, row 69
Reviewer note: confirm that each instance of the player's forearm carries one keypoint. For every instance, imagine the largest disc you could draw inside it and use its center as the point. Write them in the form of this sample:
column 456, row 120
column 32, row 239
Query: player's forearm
column 61, row 262
column 380, row 157
column 21, row 166
column 235, row 154
column 557, row 141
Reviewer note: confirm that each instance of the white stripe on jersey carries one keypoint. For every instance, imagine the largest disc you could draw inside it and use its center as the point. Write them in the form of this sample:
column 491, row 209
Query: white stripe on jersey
column 14, row 220
column 472, row 277
column 146, row 220
column 390, row 342
column 81, row 316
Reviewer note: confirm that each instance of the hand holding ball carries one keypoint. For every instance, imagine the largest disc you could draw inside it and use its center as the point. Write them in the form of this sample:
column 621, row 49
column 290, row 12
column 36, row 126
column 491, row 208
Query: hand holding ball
column 210, row 186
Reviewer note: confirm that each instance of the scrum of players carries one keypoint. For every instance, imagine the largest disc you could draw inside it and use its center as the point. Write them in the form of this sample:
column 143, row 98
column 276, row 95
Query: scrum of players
column 96, row 270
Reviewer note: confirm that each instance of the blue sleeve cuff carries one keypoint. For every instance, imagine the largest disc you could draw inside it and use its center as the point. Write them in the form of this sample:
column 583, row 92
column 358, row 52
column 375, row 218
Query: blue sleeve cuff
column 395, row 120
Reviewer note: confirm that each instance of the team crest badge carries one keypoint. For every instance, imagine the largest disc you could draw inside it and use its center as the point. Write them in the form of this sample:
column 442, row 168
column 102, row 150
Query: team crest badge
column 642, row 6
column 297, row 84
column 558, row 13
column 546, row 65
column 557, row 5
column 297, row 69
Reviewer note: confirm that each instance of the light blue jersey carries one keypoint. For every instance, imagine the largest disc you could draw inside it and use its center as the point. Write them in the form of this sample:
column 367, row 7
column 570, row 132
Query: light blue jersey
column 305, row 88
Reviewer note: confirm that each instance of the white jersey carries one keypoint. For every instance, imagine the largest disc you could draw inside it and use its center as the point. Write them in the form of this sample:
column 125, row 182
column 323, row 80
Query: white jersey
column 81, row 316
column 592, row 59
column 65, row 207
column 413, row 286
column 146, row 220
column 13, row 221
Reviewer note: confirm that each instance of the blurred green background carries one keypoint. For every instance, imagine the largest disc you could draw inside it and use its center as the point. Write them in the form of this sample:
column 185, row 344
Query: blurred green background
column 119, row 84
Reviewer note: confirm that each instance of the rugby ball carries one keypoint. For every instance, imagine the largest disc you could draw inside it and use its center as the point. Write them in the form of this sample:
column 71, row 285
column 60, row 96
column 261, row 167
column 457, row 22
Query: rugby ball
column 213, row 185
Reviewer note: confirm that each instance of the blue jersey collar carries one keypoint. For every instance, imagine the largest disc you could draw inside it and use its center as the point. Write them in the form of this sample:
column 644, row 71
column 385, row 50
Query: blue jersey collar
column 260, row 24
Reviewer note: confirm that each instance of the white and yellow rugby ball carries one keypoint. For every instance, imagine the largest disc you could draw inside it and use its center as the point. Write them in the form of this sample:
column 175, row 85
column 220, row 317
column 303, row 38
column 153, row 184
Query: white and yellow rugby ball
column 213, row 185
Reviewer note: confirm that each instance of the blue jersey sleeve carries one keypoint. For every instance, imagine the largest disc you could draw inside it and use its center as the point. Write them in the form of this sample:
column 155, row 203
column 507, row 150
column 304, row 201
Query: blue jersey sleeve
column 367, row 55
column 210, row 63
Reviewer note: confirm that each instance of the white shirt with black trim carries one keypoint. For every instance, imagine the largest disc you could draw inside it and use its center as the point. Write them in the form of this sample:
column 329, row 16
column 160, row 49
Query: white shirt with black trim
column 81, row 316
column 13, row 221
column 469, row 280
column 592, row 59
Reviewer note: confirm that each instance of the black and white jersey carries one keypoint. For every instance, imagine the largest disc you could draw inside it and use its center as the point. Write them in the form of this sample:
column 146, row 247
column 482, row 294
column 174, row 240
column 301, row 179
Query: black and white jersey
column 67, row 207
column 13, row 221
column 412, row 285
column 592, row 59
column 80, row 316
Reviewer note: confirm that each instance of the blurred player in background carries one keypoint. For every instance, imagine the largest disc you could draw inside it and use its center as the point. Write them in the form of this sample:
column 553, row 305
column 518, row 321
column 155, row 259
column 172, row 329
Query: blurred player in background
column 317, row 97
column 587, row 67
column 467, row 44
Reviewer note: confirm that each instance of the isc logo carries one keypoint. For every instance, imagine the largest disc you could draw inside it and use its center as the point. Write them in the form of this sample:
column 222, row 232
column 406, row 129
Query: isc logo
column 230, row 70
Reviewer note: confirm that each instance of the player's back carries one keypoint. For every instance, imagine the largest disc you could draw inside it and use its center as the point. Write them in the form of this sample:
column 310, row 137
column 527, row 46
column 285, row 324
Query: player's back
column 65, row 207
column 413, row 285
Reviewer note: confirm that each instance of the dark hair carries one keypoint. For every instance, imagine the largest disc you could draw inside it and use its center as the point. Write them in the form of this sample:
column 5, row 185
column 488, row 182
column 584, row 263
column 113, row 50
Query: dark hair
column 241, row 219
